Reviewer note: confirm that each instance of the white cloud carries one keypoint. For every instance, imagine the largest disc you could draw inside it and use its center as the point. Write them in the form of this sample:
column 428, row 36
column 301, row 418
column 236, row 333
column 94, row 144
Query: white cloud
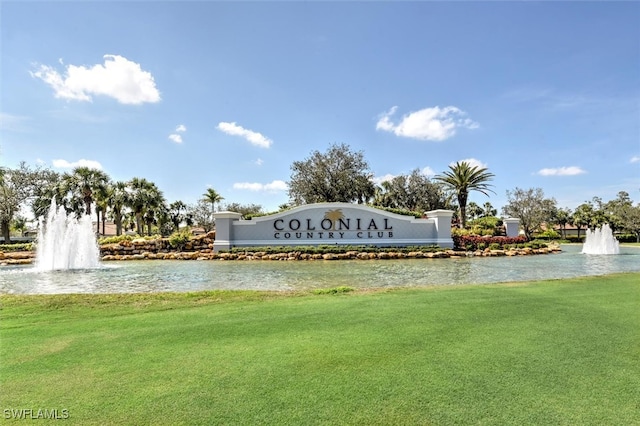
column 562, row 171
column 64, row 164
column 259, row 162
column 428, row 171
column 429, row 124
column 254, row 137
column 472, row 162
column 379, row 179
column 275, row 186
column 175, row 138
column 118, row 78
column 635, row 159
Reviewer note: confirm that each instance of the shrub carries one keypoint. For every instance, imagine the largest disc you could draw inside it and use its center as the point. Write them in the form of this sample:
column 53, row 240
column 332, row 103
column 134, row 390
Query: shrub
column 489, row 225
column 575, row 239
column 117, row 239
column 549, row 234
column 460, row 232
column 17, row 247
column 471, row 242
column 402, row 212
column 179, row 239
column 537, row 243
column 250, row 216
column 627, row 238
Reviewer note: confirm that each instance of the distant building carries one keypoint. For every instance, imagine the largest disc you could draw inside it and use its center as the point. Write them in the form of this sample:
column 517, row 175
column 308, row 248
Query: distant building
column 109, row 229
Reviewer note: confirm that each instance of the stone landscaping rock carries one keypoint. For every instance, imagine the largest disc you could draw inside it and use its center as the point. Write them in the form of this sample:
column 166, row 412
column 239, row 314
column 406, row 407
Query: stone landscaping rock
column 201, row 248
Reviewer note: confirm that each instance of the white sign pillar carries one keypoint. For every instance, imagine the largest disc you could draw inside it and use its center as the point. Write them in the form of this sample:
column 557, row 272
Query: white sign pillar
column 512, row 226
column 224, row 229
column 442, row 219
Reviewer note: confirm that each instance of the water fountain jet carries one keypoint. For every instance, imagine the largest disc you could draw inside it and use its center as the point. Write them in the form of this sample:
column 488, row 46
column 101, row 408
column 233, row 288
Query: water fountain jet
column 65, row 242
column 601, row 241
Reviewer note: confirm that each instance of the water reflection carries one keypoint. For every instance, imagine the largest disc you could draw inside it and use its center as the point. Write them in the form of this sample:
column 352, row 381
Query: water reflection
column 159, row 276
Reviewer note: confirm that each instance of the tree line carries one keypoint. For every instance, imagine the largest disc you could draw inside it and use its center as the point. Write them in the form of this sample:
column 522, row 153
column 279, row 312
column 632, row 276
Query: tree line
column 137, row 204
column 342, row 175
column 337, row 175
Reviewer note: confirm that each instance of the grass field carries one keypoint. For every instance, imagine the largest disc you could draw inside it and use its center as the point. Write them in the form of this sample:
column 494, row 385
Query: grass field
column 554, row 352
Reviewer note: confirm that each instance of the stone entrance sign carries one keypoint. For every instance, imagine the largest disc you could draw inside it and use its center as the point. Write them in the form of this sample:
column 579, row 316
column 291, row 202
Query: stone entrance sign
column 333, row 223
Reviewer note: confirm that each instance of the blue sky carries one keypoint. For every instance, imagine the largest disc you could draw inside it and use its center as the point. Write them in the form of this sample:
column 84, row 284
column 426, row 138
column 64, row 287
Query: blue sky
column 228, row 95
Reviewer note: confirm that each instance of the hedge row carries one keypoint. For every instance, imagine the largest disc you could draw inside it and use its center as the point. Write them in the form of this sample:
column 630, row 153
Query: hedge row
column 336, row 249
column 623, row 238
column 475, row 242
column 7, row 248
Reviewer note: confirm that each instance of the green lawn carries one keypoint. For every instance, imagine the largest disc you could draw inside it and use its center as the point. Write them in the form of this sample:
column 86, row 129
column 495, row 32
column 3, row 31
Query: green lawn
column 554, row 352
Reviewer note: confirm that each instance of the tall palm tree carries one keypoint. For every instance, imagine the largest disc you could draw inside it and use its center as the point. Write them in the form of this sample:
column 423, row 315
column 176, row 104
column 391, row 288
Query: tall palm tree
column 143, row 195
column 211, row 196
column 85, row 183
column 41, row 204
column 488, row 210
column 463, row 178
column 156, row 206
column 175, row 213
column 129, row 221
column 153, row 211
column 474, row 211
column 102, row 200
column 118, row 200
column 563, row 217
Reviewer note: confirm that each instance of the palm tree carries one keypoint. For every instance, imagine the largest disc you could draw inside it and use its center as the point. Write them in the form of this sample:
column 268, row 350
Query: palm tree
column 382, row 195
column 102, row 199
column 211, row 196
column 463, row 178
column 563, row 217
column 85, row 183
column 118, row 200
column 143, row 196
column 175, row 212
column 129, row 221
column 156, row 205
column 474, row 211
column 488, row 210
column 156, row 209
column 583, row 216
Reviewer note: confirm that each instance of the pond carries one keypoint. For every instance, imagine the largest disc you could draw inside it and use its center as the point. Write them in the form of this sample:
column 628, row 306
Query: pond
column 162, row 276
